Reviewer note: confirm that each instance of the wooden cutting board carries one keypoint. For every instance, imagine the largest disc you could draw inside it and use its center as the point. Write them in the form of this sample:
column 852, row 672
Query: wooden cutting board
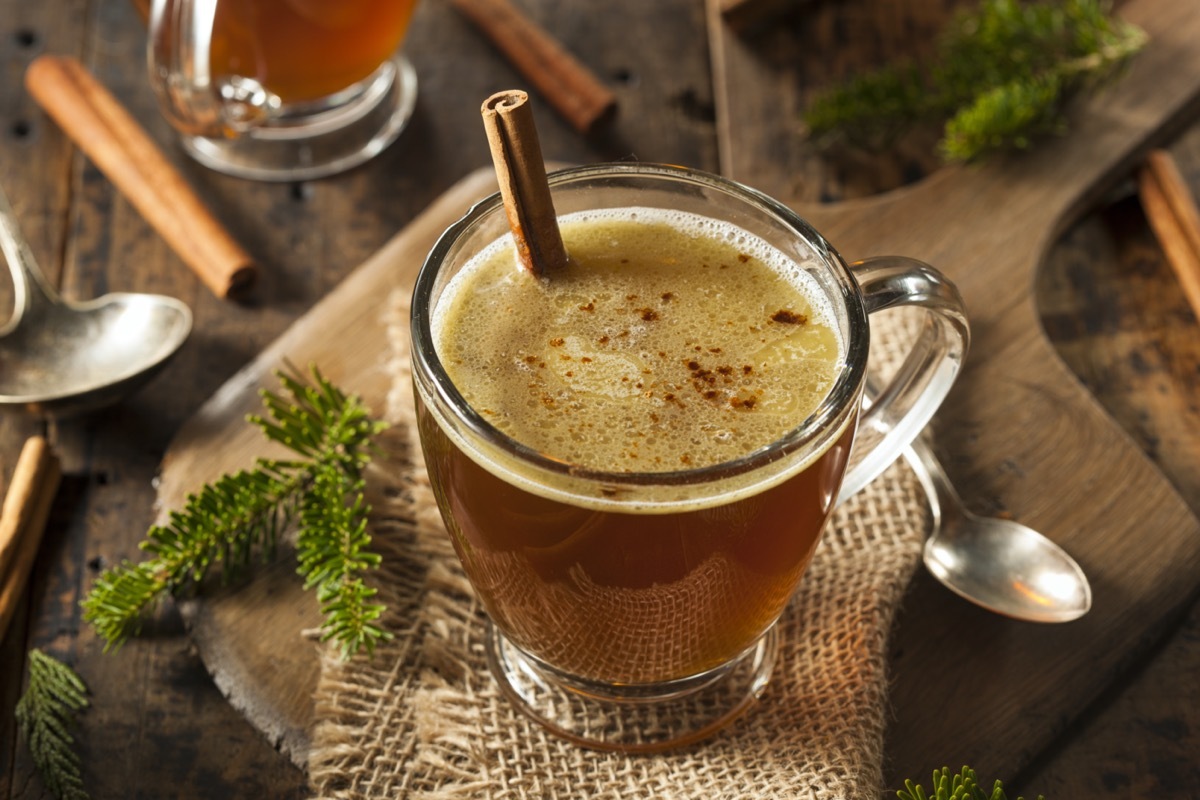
column 1019, row 432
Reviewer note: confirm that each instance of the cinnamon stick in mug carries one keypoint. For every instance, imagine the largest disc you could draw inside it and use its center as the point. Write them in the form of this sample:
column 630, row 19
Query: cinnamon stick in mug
column 517, row 155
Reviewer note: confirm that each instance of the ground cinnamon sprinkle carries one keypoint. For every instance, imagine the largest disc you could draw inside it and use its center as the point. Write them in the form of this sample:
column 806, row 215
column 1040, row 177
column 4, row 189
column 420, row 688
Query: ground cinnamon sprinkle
column 789, row 317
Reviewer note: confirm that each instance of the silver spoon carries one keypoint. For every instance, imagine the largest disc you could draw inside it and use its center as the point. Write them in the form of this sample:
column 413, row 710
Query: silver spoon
column 999, row 564
column 59, row 358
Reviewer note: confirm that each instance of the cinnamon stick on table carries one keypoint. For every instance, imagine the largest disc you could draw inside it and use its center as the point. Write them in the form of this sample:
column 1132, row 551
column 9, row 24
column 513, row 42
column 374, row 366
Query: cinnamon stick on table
column 23, row 520
column 1172, row 213
column 101, row 127
column 517, row 155
column 566, row 84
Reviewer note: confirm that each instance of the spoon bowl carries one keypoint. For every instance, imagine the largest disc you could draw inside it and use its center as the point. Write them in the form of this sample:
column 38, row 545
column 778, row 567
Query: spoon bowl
column 999, row 564
column 59, row 358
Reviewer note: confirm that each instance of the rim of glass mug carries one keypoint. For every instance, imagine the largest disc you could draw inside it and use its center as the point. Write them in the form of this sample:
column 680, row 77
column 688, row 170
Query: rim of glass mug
column 893, row 419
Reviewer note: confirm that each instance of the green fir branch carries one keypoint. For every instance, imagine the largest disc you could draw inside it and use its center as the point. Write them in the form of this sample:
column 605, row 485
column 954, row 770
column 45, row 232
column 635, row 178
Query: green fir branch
column 332, row 539
column 871, row 110
column 47, row 709
column 949, row 786
column 240, row 515
column 226, row 522
column 331, row 552
column 1007, row 117
column 1002, row 77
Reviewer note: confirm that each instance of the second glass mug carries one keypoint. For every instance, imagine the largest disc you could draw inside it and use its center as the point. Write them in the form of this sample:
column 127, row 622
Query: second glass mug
column 282, row 89
column 635, row 611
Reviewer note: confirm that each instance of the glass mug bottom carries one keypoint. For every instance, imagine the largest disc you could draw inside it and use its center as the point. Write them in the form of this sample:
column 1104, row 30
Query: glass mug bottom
column 632, row 718
column 318, row 139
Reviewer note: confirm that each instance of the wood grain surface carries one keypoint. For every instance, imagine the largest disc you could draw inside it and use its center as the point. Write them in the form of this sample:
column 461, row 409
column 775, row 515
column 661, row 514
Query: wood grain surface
column 1020, row 429
column 159, row 727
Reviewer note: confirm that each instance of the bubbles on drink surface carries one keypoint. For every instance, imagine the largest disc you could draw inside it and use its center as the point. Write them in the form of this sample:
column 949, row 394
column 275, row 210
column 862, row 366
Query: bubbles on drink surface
column 672, row 341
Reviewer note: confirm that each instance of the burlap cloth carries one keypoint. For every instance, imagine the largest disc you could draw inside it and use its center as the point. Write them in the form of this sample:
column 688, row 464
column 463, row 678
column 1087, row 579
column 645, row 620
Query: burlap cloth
column 423, row 718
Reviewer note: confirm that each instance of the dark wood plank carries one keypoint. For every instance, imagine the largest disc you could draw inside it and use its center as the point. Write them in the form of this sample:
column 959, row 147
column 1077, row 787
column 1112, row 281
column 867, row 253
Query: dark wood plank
column 774, row 70
column 1115, row 311
column 138, row 693
column 32, row 172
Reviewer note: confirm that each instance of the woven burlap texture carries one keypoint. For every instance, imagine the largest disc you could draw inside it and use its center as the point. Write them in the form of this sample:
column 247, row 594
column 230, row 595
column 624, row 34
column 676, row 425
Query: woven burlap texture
column 423, row 718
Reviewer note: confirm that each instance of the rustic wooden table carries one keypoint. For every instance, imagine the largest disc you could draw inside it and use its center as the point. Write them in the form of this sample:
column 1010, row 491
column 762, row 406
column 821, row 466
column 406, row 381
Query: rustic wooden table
column 157, row 726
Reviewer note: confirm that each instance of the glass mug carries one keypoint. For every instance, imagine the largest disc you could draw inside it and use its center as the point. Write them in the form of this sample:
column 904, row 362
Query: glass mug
column 282, row 89
column 635, row 611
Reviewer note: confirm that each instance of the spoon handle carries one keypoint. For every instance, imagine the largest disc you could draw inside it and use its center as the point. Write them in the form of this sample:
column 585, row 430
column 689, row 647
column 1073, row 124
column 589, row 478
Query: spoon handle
column 929, row 471
column 31, row 290
column 120, row 147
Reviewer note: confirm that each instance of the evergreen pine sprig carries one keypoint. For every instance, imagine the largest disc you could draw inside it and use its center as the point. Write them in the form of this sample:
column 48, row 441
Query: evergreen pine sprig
column 948, row 786
column 335, row 433
column 226, row 522
column 242, row 514
column 1001, row 78
column 45, row 712
column 331, row 552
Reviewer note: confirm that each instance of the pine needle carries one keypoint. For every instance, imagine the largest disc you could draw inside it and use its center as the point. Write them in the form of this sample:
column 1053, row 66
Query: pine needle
column 1001, row 80
column 45, row 712
column 241, row 515
column 949, row 786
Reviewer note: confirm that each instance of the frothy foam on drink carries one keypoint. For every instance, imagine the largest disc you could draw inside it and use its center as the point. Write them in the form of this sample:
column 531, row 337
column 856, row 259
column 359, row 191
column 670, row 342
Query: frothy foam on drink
column 672, row 341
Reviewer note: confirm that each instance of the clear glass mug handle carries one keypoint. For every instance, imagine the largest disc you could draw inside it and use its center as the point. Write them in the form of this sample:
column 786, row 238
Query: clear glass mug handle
column 178, row 59
column 900, row 410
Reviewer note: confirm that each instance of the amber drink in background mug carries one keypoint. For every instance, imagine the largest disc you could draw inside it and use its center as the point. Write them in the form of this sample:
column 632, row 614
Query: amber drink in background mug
column 635, row 456
column 282, row 89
